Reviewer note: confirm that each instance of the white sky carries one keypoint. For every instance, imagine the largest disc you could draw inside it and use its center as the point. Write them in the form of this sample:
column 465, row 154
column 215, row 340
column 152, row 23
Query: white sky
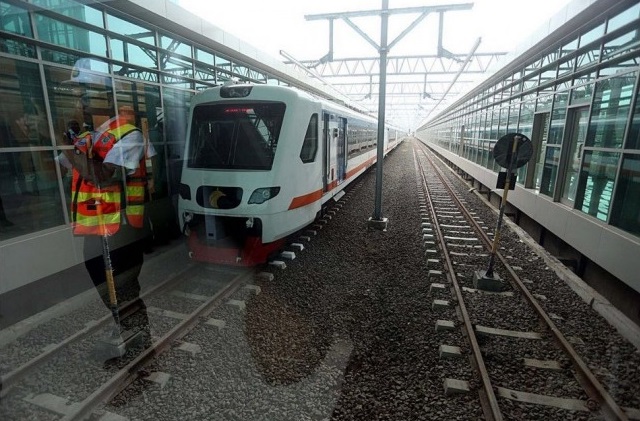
column 274, row 25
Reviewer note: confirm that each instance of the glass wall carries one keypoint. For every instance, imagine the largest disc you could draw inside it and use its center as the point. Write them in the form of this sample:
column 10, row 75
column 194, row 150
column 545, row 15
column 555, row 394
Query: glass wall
column 580, row 106
column 97, row 57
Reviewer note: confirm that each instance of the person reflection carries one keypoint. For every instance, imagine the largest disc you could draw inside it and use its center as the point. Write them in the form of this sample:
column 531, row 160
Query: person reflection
column 108, row 202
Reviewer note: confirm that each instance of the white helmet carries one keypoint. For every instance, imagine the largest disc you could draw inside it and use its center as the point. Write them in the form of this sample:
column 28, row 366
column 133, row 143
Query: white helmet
column 90, row 71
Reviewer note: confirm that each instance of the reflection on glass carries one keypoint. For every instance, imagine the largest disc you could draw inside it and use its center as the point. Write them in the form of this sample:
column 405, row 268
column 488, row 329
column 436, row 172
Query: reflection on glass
column 134, row 54
column 566, row 66
column 204, row 57
column 558, row 119
column 582, row 88
column 550, row 170
column 29, row 192
column 592, row 35
column 175, row 112
column 633, row 138
column 15, row 20
column 176, row 66
column 70, row 36
column 132, row 30
column 588, row 57
column 578, row 134
column 595, row 188
column 623, row 18
column 544, row 102
column 626, row 206
column 621, row 44
column 175, row 46
column 543, row 120
column 73, row 9
column 611, row 107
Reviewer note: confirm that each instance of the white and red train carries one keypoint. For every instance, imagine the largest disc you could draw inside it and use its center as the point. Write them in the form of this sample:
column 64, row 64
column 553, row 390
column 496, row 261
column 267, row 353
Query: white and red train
column 260, row 163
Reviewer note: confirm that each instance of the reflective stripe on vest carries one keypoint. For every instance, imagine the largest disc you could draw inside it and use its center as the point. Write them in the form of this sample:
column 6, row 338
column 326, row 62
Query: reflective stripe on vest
column 98, row 211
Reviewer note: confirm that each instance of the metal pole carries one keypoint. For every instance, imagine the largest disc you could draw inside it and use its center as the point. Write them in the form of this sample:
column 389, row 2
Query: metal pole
column 377, row 213
column 503, row 205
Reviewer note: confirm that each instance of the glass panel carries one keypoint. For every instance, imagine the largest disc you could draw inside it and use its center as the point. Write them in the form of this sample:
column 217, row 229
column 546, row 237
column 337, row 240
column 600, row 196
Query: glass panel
column 15, row 20
column 582, row 88
column 60, row 57
column 29, row 189
column 174, row 122
column 558, row 119
column 566, row 67
column 611, row 108
column 550, row 58
column 578, row 134
column 592, row 35
column 73, row 9
column 569, row 48
column 176, row 66
column 205, row 73
column 24, row 101
column 131, row 53
column 71, row 36
column 549, row 170
column 626, row 205
column 544, row 103
column 548, row 76
column 623, row 18
column 204, row 57
column 597, row 177
column 17, row 48
column 514, row 115
column 619, row 67
column 633, row 138
column 177, row 82
column 175, row 46
column 621, row 45
column 144, row 99
column 132, row 30
column 235, row 136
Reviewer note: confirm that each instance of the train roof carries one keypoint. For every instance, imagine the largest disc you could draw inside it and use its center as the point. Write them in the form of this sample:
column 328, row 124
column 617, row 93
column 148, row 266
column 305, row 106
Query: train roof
column 278, row 91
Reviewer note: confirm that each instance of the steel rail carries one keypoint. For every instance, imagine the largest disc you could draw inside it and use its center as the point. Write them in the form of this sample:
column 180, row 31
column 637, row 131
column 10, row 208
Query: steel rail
column 128, row 374
column 596, row 391
column 9, row 380
column 489, row 400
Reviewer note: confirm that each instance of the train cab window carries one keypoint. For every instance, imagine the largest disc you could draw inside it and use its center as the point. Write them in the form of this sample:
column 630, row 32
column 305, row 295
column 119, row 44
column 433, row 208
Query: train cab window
column 310, row 144
column 235, row 136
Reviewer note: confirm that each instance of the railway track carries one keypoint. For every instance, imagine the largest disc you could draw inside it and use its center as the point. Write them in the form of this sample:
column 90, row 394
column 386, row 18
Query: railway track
column 64, row 381
column 499, row 326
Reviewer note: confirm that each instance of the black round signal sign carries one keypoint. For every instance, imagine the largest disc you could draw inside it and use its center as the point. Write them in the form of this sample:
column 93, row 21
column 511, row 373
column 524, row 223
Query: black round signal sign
column 503, row 150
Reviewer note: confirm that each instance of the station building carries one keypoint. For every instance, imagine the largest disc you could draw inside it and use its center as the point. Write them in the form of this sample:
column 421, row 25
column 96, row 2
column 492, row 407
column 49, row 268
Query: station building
column 572, row 89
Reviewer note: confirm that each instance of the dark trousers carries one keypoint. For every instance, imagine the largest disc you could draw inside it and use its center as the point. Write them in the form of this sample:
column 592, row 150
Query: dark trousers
column 126, row 249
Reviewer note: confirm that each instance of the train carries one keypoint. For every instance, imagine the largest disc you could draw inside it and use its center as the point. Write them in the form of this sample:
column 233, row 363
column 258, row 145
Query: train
column 261, row 162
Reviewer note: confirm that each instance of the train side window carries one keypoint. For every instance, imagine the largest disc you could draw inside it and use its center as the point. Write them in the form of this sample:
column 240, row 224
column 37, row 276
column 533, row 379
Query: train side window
column 310, row 144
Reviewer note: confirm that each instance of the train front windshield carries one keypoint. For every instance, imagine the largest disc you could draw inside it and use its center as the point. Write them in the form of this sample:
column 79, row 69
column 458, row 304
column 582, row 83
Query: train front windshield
column 235, row 136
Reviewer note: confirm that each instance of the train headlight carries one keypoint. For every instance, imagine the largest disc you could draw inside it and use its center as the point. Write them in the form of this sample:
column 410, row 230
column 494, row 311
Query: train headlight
column 263, row 194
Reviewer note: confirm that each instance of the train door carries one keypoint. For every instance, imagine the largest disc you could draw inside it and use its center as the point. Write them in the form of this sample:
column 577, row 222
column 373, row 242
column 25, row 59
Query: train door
column 326, row 151
column 341, row 145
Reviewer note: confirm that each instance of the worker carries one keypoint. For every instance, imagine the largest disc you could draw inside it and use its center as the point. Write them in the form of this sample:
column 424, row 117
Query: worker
column 108, row 193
